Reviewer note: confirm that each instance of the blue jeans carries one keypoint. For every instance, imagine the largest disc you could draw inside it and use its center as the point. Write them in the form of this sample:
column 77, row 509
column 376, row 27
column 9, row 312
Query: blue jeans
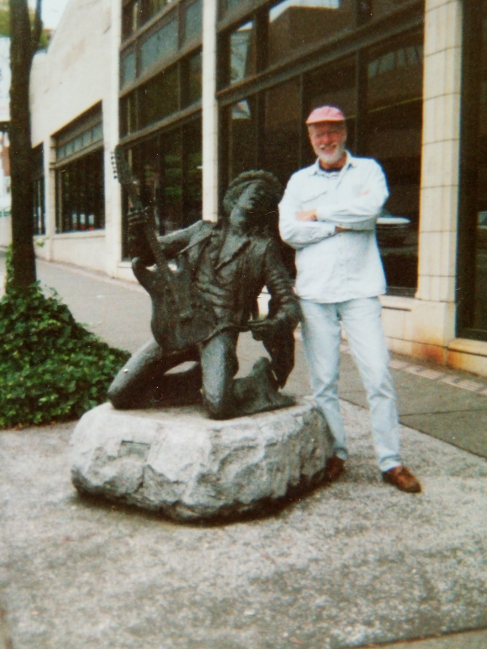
column 361, row 319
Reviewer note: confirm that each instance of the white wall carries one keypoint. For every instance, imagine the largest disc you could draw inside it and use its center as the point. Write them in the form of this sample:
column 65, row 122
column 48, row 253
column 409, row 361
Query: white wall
column 79, row 70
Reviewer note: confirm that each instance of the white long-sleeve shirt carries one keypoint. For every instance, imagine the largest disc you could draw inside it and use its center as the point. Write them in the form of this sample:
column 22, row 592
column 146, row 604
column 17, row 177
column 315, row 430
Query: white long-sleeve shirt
column 336, row 266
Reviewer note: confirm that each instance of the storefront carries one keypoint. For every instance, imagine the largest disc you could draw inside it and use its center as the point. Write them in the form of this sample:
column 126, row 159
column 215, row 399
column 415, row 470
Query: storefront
column 199, row 91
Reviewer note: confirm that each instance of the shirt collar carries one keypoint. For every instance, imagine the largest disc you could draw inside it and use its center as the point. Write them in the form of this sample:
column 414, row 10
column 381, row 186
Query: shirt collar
column 316, row 170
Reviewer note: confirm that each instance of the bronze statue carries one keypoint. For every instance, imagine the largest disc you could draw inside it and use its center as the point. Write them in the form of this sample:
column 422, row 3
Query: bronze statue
column 204, row 291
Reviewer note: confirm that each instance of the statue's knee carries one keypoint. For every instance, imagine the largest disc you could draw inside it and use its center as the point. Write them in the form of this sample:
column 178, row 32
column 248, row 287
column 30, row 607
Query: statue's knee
column 117, row 397
column 122, row 392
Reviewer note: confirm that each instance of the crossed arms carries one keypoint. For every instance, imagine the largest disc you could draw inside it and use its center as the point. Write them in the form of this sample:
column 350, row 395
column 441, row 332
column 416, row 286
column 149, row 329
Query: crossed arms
column 308, row 216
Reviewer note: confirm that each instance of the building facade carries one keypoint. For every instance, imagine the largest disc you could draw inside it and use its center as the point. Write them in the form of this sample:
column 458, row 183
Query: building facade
column 196, row 91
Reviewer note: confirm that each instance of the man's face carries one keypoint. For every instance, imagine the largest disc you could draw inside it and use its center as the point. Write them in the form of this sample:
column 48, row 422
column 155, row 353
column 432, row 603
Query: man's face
column 249, row 208
column 328, row 142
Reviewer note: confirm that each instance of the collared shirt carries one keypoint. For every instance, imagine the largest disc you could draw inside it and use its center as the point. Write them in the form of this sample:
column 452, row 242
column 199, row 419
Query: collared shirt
column 336, row 266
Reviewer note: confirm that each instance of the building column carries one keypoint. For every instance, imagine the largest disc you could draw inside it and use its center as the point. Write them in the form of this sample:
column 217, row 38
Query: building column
column 434, row 311
column 210, row 112
column 113, row 200
column 49, row 199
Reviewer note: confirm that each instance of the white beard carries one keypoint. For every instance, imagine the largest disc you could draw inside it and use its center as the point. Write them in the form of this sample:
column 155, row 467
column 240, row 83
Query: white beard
column 332, row 157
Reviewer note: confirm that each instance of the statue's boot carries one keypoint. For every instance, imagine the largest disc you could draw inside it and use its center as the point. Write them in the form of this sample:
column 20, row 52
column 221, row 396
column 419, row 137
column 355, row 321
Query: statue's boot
column 259, row 391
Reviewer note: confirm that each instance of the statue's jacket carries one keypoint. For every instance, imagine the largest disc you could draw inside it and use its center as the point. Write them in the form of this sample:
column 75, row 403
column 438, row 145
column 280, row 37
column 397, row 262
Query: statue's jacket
column 230, row 272
column 231, row 281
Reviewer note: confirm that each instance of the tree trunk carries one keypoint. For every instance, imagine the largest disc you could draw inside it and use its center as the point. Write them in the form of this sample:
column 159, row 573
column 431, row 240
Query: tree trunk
column 23, row 44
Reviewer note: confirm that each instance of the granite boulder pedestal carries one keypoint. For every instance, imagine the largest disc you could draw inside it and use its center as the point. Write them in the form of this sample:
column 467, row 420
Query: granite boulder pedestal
column 179, row 462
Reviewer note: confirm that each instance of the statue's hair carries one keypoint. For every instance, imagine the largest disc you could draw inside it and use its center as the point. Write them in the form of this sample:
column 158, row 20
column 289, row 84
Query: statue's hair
column 273, row 187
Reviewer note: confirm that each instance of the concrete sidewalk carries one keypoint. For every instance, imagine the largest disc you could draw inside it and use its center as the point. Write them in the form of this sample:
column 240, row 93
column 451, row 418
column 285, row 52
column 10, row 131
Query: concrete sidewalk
column 353, row 564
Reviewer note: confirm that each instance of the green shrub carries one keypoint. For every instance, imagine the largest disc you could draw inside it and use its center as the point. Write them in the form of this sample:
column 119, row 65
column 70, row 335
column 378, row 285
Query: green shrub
column 51, row 368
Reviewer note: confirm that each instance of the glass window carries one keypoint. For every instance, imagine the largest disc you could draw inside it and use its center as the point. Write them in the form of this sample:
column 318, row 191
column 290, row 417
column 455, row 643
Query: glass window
column 226, row 7
column 193, row 20
column 168, row 168
column 131, row 18
column 242, row 52
column 128, row 69
column 395, row 75
column 156, row 5
column 161, row 44
column 192, row 173
column 479, row 319
column 171, row 199
column 159, row 97
column 392, row 134
column 242, row 131
column 380, row 7
column 80, row 195
column 282, row 129
column 84, row 132
column 194, row 68
column 128, row 114
column 296, row 24
column 39, row 207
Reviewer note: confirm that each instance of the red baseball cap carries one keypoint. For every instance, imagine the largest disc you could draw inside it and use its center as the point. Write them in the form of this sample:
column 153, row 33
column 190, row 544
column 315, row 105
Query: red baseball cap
column 325, row 114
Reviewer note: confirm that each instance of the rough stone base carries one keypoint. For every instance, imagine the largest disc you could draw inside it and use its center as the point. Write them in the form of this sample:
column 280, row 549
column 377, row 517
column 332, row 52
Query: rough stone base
column 190, row 467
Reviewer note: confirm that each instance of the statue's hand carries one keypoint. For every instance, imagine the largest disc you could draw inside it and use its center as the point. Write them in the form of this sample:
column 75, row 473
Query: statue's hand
column 139, row 218
column 266, row 328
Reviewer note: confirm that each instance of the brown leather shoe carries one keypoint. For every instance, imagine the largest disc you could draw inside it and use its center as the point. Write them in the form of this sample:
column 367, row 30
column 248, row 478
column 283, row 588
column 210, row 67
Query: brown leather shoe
column 402, row 478
column 334, row 468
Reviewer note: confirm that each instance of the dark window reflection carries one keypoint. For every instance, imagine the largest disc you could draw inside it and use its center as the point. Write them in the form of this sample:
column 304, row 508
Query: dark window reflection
column 128, row 116
column 281, row 138
column 39, row 206
column 195, row 71
column 242, row 130
column 131, row 18
column 395, row 75
column 480, row 309
column 193, row 20
column 282, row 129
column 128, row 69
column 380, row 7
column 160, row 45
column 231, row 5
column 242, row 52
column 168, row 170
column 296, row 24
column 171, row 202
column 159, row 97
column 80, row 195
column 138, row 12
column 155, row 6
column 393, row 137
column 192, row 173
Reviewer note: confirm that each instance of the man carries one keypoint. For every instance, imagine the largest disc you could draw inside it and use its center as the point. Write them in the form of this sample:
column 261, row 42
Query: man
column 328, row 214
column 230, row 263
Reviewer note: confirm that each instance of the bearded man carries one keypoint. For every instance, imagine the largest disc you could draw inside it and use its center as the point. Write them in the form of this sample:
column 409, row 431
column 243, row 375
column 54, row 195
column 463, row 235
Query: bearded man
column 328, row 214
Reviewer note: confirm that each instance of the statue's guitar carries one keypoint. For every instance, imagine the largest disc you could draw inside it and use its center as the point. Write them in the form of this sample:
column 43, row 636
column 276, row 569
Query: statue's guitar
column 179, row 316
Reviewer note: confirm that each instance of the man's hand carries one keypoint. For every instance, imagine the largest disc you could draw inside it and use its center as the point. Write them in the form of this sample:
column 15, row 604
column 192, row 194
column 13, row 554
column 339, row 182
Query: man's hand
column 307, row 215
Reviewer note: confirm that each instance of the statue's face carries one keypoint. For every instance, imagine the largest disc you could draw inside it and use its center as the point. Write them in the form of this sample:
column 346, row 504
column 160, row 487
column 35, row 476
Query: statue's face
column 250, row 207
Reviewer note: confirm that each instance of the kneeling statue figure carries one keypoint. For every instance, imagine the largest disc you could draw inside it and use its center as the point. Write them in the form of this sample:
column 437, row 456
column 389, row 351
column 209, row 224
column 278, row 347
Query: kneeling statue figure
column 204, row 289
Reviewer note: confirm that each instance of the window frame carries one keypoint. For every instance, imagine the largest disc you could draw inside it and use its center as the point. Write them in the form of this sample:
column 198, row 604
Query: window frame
column 468, row 172
column 67, row 162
